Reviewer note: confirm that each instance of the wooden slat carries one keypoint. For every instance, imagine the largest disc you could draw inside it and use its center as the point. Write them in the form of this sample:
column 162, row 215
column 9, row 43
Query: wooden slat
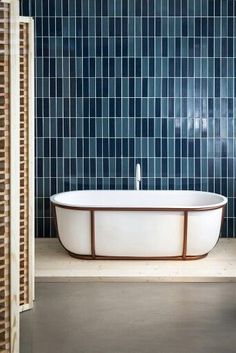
column 5, row 180
column 26, row 163
column 14, row 91
column 24, row 201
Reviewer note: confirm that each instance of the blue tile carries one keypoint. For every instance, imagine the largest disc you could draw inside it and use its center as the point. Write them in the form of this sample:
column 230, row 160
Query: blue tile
column 120, row 81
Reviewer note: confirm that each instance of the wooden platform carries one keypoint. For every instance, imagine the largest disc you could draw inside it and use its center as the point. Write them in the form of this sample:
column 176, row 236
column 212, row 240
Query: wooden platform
column 53, row 264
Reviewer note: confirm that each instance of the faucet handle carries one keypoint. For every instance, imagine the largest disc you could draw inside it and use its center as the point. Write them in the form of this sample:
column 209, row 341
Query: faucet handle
column 138, row 172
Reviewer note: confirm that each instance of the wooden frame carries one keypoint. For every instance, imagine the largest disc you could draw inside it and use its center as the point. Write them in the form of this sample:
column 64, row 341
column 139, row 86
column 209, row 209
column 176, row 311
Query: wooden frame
column 14, row 174
column 95, row 256
column 5, row 305
column 10, row 237
column 27, row 130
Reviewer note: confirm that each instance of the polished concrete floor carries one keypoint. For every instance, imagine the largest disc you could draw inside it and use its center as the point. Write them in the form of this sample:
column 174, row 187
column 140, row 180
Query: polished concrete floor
column 131, row 318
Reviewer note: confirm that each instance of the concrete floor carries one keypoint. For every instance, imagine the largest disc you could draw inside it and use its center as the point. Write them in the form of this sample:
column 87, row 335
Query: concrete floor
column 131, row 318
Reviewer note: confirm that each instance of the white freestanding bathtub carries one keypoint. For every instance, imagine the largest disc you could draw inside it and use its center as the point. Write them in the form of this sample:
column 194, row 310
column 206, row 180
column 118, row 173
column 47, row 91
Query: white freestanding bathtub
column 178, row 225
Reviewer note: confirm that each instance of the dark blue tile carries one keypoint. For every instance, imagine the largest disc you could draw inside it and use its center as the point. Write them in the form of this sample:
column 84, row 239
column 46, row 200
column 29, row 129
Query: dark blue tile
column 124, row 27
column 158, row 26
column 138, row 127
column 125, row 47
column 230, row 7
column 184, row 7
column 184, row 27
column 171, row 7
column 89, row 81
column 218, row 7
column 197, row 26
column 230, row 48
column 164, row 47
column 111, row 26
column 210, row 27
column 217, row 87
column 211, row 11
column 145, row 47
column 144, row 27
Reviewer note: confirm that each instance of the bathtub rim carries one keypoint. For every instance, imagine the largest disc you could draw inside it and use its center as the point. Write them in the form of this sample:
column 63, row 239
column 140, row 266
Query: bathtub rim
column 133, row 208
column 94, row 256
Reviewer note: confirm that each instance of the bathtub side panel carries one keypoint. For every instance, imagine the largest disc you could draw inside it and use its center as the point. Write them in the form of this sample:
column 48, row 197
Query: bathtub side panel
column 139, row 233
column 74, row 230
column 203, row 231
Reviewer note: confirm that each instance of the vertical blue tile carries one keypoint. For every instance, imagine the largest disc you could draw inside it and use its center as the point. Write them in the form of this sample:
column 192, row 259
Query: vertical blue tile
column 126, row 81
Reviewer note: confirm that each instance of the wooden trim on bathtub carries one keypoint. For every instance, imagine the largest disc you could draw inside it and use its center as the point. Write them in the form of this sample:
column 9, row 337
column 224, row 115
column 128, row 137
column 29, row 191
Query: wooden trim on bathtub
column 222, row 217
column 152, row 209
column 185, row 236
column 54, row 215
column 92, row 225
column 94, row 256
column 147, row 258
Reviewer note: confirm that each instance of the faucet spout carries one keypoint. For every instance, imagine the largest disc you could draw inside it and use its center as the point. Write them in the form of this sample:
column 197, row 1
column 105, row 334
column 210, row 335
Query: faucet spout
column 138, row 176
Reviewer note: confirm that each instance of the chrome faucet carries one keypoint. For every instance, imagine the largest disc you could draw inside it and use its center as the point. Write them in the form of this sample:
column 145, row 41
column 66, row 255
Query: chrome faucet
column 138, row 176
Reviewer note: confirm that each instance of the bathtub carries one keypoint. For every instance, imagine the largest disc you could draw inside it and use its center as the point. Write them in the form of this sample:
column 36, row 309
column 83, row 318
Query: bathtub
column 178, row 225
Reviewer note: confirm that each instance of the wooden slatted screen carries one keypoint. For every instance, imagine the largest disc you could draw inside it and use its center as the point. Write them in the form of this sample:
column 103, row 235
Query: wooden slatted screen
column 26, row 163
column 4, row 179
column 9, row 176
column 24, row 256
column 14, row 176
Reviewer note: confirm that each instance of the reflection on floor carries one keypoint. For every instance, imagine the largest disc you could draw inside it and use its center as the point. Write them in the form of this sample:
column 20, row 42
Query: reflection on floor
column 54, row 264
column 131, row 318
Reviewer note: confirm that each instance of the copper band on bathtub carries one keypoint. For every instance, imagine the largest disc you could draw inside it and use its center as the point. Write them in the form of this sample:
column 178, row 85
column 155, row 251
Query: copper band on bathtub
column 185, row 235
column 140, row 209
column 55, row 218
column 93, row 253
column 222, row 217
column 151, row 258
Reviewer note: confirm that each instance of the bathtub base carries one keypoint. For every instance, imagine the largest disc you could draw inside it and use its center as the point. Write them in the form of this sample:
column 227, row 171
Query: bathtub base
column 154, row 258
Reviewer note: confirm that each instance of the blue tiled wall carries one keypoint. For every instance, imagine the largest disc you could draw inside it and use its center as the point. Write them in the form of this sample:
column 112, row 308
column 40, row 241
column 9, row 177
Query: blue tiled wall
column 126, row 81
